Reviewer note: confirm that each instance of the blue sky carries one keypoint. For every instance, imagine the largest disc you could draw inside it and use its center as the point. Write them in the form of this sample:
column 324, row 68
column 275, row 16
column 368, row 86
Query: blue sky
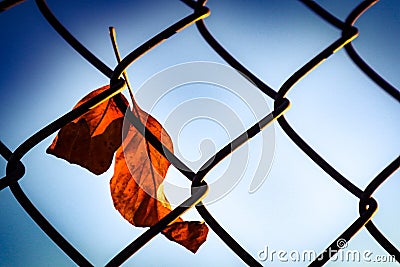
column 342, row 114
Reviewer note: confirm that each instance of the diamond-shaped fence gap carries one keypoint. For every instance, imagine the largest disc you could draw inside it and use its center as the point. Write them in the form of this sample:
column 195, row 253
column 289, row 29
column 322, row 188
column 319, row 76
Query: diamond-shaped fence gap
column 91, row 205
column 268, row 47
column 360, row 242
column 387, row 209
column 357, row 133
column 377, row 46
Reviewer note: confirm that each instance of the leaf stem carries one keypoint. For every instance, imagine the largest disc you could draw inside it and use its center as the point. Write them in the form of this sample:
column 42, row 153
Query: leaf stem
column 7, row 4
column 113, row 37
column 135, row 108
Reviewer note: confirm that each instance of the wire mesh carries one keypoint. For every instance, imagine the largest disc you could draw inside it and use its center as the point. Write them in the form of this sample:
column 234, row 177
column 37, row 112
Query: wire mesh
column 367, row 204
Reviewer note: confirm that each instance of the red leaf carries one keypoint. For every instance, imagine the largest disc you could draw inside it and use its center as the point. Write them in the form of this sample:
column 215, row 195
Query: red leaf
column 91, row 140
column 136, row 186
column 191, row 235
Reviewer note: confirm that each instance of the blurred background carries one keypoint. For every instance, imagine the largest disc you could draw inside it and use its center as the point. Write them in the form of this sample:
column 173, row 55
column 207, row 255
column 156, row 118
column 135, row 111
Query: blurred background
column 340, row 112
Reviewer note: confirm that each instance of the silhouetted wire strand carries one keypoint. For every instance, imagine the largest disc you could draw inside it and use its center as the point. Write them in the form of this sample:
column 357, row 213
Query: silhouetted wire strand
column 354, row 56
column 192, row 4
column 164, row 151
column 382, row 177
column 50, row 231
column 350, row 21
column 132, row 57
column 390, row 89
column 238, row 141
column 226, row 237
column 144, row 238
column 347, row 37
column 4, row 151
column 217, row 158
column 311, row 4
column 40, row 220
column 222, row 52
column 118, row 70
column 198, row 184
column 18, row 170
column 383, row 241
column 369, row 190
column 232, row 61
column 31, row 142
column 318, row 159
column 289, row 83
column 51, row 128
column 243, row 254
column 356, row 13
column 71, row 40
column 347, row 234
column 156, row 40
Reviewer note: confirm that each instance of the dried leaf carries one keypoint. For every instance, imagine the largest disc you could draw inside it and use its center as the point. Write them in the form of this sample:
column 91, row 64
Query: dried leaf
column 191, row 235
column 136, row 186
column 91, row 140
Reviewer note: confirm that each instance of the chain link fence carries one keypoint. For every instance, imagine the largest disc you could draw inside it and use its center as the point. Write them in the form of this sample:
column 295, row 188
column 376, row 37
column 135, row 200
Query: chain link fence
column 367, row 204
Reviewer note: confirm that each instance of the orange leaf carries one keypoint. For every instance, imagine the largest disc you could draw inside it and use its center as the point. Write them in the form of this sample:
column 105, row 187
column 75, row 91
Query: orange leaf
column 91, row 140
column 136, row 186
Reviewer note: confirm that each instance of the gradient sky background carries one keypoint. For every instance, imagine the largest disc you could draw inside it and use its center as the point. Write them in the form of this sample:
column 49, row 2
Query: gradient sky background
column 350, row 121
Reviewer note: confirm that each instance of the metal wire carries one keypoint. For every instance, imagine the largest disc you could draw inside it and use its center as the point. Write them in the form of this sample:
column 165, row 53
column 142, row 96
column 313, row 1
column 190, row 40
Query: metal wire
column 367, row 206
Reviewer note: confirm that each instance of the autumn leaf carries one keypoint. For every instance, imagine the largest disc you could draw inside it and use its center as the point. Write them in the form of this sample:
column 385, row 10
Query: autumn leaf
column 92, row 139
column 136, row 186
